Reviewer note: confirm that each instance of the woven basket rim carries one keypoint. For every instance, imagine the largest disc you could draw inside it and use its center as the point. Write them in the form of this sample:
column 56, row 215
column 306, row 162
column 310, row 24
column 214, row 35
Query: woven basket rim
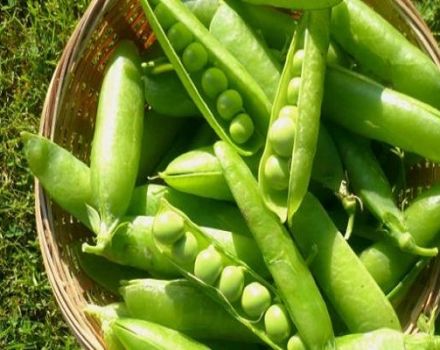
column 55, row 95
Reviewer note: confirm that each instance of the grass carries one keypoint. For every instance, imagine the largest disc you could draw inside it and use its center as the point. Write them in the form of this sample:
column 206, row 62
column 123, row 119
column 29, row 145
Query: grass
column 32, row 35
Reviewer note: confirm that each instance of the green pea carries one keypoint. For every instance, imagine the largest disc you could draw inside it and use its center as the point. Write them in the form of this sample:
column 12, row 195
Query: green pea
column 293, row 90
column 164, row 16
column 295, row 343
column 232, row 282
column 255, row 299
column 276, row 323
column 282, row 136
column 208, row 265
column 297, row 63
column 276, row 171
column 179, row 36
column 186, row 248
column 168, row 227
column 229, row 103
column 214, row 82
column 241, row 128
column 288, row 112
column 195, row 57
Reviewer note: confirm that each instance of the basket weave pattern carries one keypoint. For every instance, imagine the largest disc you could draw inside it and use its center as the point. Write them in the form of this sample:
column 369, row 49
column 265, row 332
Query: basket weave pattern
column 68, row 119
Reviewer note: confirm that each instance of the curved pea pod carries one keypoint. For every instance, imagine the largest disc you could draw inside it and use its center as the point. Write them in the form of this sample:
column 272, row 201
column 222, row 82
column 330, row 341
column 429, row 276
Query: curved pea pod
column 178, row 304
column 384, row 51
column 197, row 172
column 227, row 96
column 334, row 264
column 367, row 108
column 370, row 183
column 303, row 300
column 380, row 339
column 287, row 162
column 243, row 43
column 157, row 137
column 117, row 137
column 64, row 177
column 227, row 280
column 387, row 263
column 297, row 4
column 203, row 211
column 106, row 316
column 161, row 88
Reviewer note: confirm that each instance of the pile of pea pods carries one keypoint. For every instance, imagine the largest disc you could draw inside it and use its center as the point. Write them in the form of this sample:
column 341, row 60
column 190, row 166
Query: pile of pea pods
column 248, row 180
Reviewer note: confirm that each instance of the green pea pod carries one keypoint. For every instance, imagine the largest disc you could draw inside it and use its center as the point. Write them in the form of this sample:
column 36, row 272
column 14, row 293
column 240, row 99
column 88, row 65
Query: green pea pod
column 203, row 211
column 334, row 264
column 158, row 136
column 303, row 300
column 227, row 280
column 367, row 108
column 117, row 137
column 64, row 177
column 197, row 172
column 387, row 263
column 137, row 334
column 297, row 4
column 106, row 316
column 132, row 244
column 104, row 272
column 161, row 88
column 370, row 183
column 178, row 304
column 238, row 114
column 380, row 339
column 244, row 44
column 383, row 50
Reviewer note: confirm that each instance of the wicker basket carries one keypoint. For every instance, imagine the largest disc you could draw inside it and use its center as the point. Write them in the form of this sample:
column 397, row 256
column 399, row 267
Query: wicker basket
column 68, row 119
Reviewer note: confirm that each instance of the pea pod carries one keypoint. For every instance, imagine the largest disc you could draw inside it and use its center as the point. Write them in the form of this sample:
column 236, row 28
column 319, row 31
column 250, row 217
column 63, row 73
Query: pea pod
column 388, row 264
column 229, row 281
column 303, row 300
column 117, row 138
column 243, row 43
column 384, row 51
column 334, row 264
column 132, row 244
column 367, row 108
column 370, row 183
column 178, row 304
column 297, row 4
column 227, row 96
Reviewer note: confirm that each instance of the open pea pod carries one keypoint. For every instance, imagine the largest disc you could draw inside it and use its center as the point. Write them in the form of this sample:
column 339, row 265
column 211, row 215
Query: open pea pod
column 244, row 294
column 297, row 4
column 227, row 96
column 294, row 124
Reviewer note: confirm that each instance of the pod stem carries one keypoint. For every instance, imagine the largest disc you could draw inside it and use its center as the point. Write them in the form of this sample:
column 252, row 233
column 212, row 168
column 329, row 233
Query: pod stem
column 406, row 243
column 349, row 202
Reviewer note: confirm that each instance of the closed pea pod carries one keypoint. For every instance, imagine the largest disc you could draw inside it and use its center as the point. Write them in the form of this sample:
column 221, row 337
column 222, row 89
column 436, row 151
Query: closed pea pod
column 247, row 96
column 297, row 4
column 224, row 278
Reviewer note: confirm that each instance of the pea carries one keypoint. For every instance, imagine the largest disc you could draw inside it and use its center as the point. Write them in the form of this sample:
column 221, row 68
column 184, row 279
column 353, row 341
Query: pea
column 255, row 299
column 288, row 112
column 195, row 57
column 208, row 265
column 214, row 82
column 276, row 171
column 297, row 62
column 293, row 90
column 295, row 343
column 231, row 283
column 164, row 16
column 276, row 323
column 168, row 227
column 241, row 128
column 186, row 248
column 282, row 136
column 229, row 103
column 179, row 36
